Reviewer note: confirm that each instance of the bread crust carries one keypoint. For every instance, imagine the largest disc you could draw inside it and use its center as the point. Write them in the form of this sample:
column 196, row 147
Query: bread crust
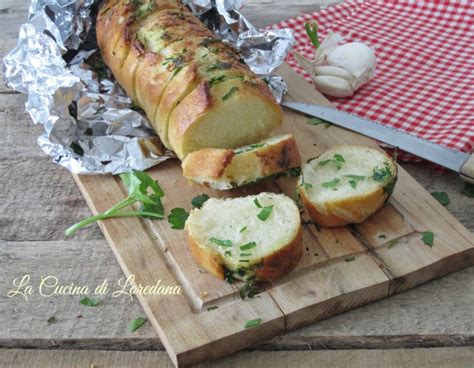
column 359, row 207
column 142, row 72
column 271, row 267
column 353, row 210
column 212, row 164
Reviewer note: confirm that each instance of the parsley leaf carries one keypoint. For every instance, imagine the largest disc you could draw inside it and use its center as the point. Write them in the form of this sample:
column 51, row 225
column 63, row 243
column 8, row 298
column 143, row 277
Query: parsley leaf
column 222, row 243
column 253, row 322
column 337, row 159
column 307, row 186
column 354, row 179
column 265, row 213
column 257, row 203
column 229, row 94
column 441, row 197
column 243, row 229
column 137, row 323
column 331, row 184
column 317, row 121
column 216, row 80
column 350, row 258
column 89, row 302
column 177, row 218
column 382, row 174
column 52, row 320
column 428, row 238
column 468, row 189
column 141, row 188
column 248, row 246
column 199, row 200
column 294, row 172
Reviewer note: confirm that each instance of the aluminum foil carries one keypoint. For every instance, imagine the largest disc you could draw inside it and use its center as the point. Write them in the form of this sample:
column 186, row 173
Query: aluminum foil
column 90, row 124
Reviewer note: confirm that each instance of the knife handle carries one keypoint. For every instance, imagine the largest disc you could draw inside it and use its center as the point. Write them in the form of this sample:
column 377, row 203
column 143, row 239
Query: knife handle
column 467, row 170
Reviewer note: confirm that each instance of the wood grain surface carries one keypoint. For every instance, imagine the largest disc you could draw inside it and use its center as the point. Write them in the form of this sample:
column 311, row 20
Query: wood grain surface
column 395, row 358
column 34, row 215
column 324, row 283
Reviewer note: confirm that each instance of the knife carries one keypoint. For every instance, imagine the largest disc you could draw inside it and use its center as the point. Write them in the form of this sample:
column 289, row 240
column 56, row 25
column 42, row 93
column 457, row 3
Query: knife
column 460, row 162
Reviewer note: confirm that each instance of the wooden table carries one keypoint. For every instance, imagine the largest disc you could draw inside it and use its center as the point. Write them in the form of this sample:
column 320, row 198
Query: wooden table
column 39, row 200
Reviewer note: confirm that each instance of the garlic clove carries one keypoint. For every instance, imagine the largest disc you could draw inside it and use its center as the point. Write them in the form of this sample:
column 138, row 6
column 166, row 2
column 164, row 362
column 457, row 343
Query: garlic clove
column 356, row 58
column 333, row 86
column 305, row 64
column 333, row 71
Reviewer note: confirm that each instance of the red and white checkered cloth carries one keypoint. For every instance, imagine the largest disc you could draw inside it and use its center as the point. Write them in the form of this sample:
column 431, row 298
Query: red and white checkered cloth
column 424, row 82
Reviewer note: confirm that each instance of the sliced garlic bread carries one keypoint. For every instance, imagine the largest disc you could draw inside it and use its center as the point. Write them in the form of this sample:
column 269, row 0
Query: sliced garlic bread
column 229, row 168
column 231, row 114
column 249, row 237
column 346, row 184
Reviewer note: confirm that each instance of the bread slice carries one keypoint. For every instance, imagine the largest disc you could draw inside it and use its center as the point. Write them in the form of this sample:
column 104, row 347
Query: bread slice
column 234, row 113
column 229, row 239
column 229, row 168
column 346, row 184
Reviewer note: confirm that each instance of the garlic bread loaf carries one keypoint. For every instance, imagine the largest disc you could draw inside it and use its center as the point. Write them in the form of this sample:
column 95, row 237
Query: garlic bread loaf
column 346, row 184
column 248, row 237
column 194, row 88
column 229, row 168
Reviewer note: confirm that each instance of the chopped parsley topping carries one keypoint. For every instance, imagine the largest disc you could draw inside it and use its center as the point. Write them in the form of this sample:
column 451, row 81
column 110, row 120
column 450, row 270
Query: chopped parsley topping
column 230, row 93
column 219, row 66
column 243, row 229
column 354, row 179
column 199, row 200
column 222, row 243
column 337, row 159
column 294, row 172
column 331, row 184
column 428, row 238
column 382, row 175
column 212, row 308
column 216, row 80
column 248, row 246
column 350, row 258
column 253, row 322
column 249, row 148
column 257, row 203
column 265, row 213
column 382, row 236
column 307, row 186
column 177, row 218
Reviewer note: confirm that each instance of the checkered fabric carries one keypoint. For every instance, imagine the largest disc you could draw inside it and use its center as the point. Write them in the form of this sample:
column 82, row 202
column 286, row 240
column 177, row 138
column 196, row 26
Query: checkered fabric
column 424, row 82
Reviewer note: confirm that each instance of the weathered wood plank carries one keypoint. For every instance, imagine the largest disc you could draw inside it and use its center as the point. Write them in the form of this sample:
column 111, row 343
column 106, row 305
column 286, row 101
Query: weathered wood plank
column 421, row 358
column 387, row 323
column 39, row 201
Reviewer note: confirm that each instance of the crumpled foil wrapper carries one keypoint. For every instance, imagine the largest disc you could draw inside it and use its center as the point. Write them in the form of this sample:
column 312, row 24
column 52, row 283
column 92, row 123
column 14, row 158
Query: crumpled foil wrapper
column 90, row 125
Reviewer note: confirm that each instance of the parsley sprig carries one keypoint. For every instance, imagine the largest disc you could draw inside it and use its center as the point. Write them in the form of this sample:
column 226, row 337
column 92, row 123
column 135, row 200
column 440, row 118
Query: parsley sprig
column 141, row 188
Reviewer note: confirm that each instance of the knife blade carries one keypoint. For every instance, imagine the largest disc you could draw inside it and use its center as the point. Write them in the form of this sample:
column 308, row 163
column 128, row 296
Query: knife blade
column 461, row 162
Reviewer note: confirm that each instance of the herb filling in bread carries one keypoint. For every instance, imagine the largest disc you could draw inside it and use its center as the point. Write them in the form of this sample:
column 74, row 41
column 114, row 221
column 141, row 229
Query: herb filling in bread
column 245, row 238
column 346, row 184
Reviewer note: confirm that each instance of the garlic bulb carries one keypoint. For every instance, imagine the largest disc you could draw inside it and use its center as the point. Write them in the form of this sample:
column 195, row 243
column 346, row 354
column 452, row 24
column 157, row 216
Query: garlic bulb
column 339, row 69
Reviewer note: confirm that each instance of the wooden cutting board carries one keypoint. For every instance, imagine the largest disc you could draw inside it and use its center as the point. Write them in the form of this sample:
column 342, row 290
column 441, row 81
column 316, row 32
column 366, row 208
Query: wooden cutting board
column 389, row 255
